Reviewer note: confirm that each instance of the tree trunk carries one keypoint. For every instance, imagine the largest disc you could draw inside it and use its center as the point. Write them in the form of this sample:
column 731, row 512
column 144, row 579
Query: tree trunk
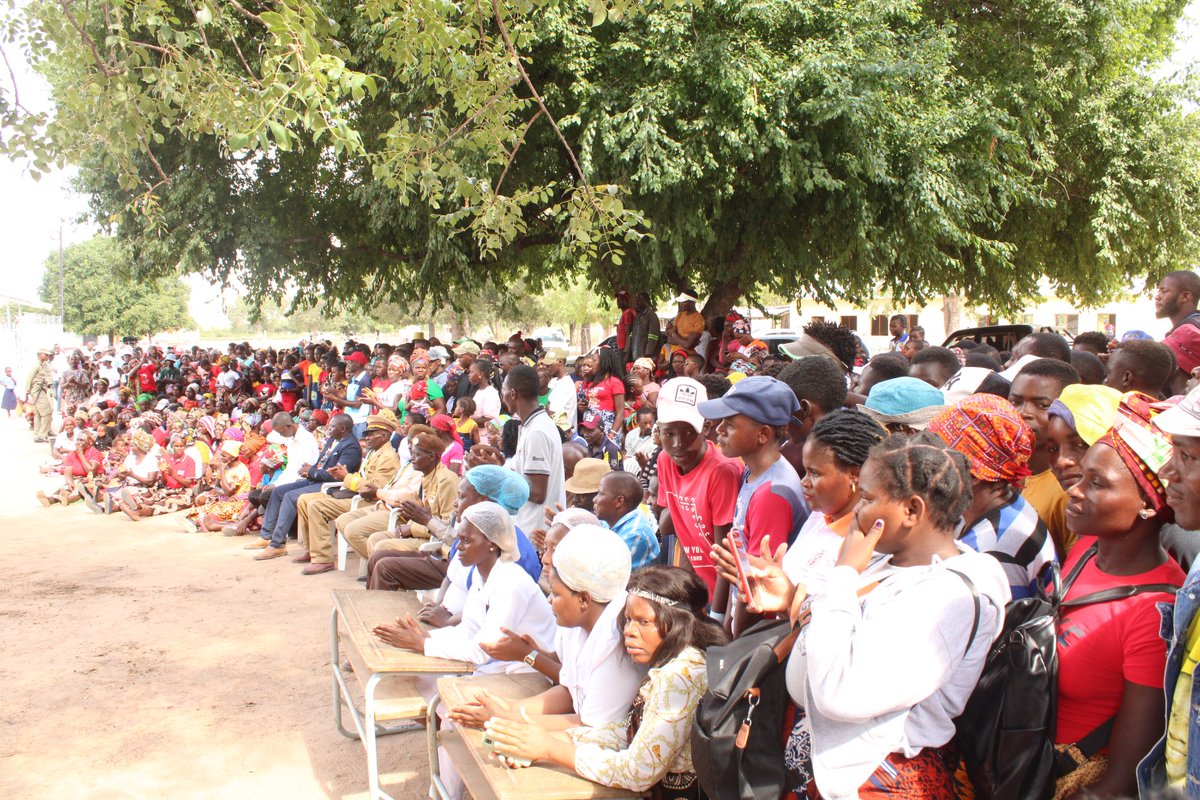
column 952, row 313
column 721, row 299
column 571, row 332
column 457, row 326
column 585, row 338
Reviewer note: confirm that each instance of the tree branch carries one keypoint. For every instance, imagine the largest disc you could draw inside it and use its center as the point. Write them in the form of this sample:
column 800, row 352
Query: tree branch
column 13, row 77
column 537, row 95
column 513, row 155
column 87, row 39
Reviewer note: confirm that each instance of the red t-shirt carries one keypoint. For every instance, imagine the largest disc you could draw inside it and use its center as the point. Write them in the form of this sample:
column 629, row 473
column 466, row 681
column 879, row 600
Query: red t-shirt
column 72, row 465
column 184, row 465
column 1103, row 645
column 288, row 398
column 601, row 396
column 623, row 327
column 160, row 437
column 698, row 502
column 145, row 375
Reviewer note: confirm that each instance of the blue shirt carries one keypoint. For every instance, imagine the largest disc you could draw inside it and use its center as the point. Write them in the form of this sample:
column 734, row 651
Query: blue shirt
column 635, row 529
column 527, row 557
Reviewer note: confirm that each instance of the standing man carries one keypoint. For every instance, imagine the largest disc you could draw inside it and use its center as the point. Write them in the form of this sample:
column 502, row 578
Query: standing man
column 60, row 364
column 1176, row 298
column 687, row 327
column 898, row 327
column 353, row 403
column 562, row 404
column 39, row 393
column 645, row 335
column 539, row 455
column 625, row 323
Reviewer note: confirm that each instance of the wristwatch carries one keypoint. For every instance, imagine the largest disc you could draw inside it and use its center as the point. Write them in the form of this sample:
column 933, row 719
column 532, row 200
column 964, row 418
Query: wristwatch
column 531, row 658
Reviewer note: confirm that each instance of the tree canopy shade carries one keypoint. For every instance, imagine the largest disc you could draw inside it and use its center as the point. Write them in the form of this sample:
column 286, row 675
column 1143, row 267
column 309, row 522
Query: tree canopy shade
column 418, row 151
column 101, row 298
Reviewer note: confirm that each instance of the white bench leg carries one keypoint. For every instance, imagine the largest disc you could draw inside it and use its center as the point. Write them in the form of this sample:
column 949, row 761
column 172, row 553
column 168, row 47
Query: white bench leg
column 343, row 547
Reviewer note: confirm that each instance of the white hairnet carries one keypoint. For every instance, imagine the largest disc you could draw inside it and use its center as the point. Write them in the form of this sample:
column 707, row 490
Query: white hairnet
column 594, row 560
column 571, row 517
column 494, row 522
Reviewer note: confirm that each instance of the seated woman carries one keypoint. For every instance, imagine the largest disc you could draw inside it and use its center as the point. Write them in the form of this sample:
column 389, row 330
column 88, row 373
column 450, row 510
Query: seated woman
column 446, row 428
column 666, row 628
column 893, row 648
column 223, row 503
column 596, row 681
column 84, row 463
column 139, row 468
column 502, row 596
column 178, row 475
column 1110, row 657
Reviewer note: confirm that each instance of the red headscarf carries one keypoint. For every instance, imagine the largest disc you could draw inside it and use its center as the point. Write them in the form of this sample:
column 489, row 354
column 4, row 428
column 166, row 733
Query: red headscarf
column 1143, row 447
column 444, row 422
column 991, row 434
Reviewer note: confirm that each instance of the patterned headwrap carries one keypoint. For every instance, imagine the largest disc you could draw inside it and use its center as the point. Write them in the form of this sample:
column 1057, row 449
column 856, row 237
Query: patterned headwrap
column 991, row 434
column 254, row 441
column 153, row 417
column 420, row 358
column 960, row 354
column 235, row 433
column 739, row 327
column 397, row 360
column 321, row 416
column 444, row 422
column 1143, row 447
column 208, row 425
column 142, row 440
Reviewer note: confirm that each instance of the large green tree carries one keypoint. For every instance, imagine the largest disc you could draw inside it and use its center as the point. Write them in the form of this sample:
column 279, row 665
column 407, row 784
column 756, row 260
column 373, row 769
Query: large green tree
column 102, row 297
column 424, row 151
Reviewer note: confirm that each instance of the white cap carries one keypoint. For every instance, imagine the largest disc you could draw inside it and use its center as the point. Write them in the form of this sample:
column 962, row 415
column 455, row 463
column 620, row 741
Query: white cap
column 684, row 297
column 679, row 401
column 1021, row 363
column 1183, row 418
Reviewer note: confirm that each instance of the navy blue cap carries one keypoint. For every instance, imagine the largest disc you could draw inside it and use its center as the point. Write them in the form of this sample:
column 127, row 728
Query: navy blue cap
column 759, row 397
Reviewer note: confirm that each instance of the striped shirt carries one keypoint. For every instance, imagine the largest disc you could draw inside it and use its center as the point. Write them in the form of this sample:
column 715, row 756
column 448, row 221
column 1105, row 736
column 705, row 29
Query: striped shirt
column 634, row 528
column 1018, row 539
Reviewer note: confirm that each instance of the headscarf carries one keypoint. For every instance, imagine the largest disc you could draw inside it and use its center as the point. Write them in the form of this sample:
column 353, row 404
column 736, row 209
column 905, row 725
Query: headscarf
column 231, row 447
column 209, row 425
column 142, row 440
column 1143, row 447
column 234, row 433
column 496, row 524
column 739, row 327
column 397, row 360
column 254, row 442
column 444, row 422
column 594, row 560
column 991, row 434
column 1088, row 409
column 321, row 416
column 500, row 485
column 153, row 417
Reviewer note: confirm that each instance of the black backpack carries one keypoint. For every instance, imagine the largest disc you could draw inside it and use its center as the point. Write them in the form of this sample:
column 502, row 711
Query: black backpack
column 737, row 735
column 1005, row 734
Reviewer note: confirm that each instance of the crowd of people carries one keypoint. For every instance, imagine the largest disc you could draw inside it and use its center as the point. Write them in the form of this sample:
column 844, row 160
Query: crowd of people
column 607, row 521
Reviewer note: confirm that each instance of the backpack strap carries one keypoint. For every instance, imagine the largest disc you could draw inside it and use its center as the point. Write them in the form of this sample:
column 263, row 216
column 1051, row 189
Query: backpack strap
column 1069, row 580
column 978, row 610
column 1070, row 759
column 1118, row 593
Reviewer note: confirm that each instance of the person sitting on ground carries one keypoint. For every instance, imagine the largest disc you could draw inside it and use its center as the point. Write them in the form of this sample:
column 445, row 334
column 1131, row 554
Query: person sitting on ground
column 899, row 634
column 177, row 473
column 820, row 387
column 222, row 504
column 596, row 680
column 77, row 467
column 1034, row 390
column 998, row 520
column 1110, row 657
column 934, row 365
column 316, row 511
column 1140, row 365
column 139, row 468
column 503, row 597
column 666, row 630
column 618, row 505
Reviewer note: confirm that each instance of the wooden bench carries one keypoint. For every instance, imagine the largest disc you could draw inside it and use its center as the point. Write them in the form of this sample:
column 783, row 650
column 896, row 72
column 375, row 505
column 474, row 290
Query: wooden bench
column 386, row 674
column 483, row 776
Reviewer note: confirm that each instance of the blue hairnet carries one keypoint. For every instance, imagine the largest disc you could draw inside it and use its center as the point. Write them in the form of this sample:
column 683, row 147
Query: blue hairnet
column 503, row 486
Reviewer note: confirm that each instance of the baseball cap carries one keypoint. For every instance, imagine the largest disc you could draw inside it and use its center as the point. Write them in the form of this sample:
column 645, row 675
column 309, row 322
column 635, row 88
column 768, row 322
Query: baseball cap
column 552, row 355
column 357, row 356
column 1184, row 342
column 679, row 401
column 440, row 353
column 761, row 398
column 590, row 420
column 467, row 347
column 1182, row 418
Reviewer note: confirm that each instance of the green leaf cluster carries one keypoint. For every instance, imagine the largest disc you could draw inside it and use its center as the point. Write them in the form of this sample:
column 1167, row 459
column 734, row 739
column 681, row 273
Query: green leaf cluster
column 426, row 153
column 101, row 296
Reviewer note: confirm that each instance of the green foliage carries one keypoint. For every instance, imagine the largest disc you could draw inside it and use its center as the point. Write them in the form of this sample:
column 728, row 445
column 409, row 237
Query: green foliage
column 100, row 296
column 428, row 154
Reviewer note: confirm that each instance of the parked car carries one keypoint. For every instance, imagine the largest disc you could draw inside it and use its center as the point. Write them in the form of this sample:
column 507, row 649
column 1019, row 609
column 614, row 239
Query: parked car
column 1002, row 337
column 551, row 338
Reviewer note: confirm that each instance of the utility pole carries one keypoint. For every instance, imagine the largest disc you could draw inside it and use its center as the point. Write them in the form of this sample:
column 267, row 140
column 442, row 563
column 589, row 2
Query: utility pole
column 62, row 316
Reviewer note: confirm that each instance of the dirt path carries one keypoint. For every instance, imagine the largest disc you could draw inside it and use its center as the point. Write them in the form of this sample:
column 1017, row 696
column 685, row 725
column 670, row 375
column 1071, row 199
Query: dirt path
column 139, row 661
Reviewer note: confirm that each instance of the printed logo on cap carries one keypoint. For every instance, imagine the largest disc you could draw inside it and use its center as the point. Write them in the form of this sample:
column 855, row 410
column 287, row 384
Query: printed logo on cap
column 686, row 395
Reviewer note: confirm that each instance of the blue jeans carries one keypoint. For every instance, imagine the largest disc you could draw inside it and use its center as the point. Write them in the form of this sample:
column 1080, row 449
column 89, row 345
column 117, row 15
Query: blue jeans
column 360, row 429
column 280, row 515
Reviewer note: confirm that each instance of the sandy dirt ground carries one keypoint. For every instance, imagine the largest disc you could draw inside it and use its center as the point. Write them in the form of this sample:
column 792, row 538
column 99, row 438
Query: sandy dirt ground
column 140, row 661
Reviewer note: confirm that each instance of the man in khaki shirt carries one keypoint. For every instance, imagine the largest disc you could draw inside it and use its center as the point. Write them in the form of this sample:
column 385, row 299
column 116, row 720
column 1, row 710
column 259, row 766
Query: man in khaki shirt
column 316, row 511
column 432, row 503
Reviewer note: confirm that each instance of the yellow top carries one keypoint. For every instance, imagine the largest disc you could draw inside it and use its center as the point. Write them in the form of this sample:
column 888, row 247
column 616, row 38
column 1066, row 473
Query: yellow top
column 1181, row 705
column 1043, row 492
